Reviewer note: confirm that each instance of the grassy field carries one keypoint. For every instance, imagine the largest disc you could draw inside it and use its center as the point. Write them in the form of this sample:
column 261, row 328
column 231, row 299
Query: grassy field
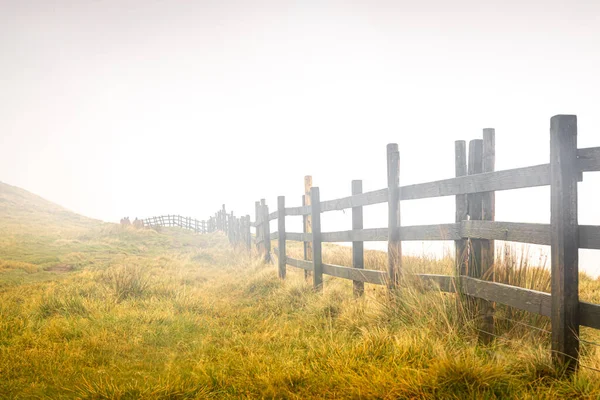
column 97, row 311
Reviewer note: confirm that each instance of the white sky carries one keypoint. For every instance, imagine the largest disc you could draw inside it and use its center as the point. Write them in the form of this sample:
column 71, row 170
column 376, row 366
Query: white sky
column 139, row 108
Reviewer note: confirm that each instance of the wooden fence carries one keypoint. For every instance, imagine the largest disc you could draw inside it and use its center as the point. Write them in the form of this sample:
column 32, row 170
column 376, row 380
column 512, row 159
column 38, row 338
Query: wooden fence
column 238, row 229
column 474, row 232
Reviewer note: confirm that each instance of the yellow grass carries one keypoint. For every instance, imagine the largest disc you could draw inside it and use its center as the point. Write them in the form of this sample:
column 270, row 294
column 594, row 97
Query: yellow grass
column 141, row 314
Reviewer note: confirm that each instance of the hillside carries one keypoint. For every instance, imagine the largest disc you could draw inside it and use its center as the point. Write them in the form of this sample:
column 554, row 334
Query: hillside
column 99, row 311
column 22, row 211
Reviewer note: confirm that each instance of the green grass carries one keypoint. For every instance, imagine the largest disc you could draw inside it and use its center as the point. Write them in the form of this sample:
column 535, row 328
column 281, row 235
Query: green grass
column 97, row 311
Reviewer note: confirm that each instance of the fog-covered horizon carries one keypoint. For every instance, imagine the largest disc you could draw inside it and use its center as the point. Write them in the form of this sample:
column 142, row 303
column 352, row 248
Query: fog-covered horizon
column 141, row 108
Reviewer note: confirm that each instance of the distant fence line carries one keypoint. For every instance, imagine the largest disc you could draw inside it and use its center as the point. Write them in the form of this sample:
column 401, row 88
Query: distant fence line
column 474, row 232
column 238, row 229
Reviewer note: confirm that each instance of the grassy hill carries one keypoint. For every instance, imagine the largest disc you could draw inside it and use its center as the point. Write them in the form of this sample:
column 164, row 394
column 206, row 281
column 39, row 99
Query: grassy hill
column 98, row 311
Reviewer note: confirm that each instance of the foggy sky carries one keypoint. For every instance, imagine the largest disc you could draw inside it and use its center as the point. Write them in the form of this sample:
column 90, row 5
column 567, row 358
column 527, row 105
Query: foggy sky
column 141, row 108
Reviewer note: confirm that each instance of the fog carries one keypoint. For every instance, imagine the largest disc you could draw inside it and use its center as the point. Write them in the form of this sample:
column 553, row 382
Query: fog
column 141, row 108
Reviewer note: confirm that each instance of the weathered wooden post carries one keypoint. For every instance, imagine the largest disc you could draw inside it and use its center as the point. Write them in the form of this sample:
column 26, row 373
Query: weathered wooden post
column 231, row 228
column 488, row 213
column 358, row 260
column 475, row 206
column 281, row 236
column 307, row 222
column 479, row 308
column 394, row 244
column 266, row 230
column 316, row 238
column 257, row 216
column 564, row 240
column 248, row 233
column 460, row 169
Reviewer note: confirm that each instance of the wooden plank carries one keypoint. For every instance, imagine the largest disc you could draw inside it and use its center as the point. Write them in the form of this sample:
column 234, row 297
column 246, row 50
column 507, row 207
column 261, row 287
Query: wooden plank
column 248, row 234
column 307, row 223
column 281, row 236
column 274, row 236
column 524, row 299
column 316, row 239
column 360, row 275
column 394, row 240
column 589, row 314
column 359, row 200
column 431, row 232
column 588, row 159
column 362, row 235
column 508, row 231
column 478, row 308
column 304, row 210
column 538, row 175
column 273, row 215
column 257, row 212
column 266, row 228
column 460, row 169
column 564, row 240
column 298, row 237
column 305, row 265
column 358, row 260
column 475, row 166
column 589, row 237
column 488, row 213
column 534, row 301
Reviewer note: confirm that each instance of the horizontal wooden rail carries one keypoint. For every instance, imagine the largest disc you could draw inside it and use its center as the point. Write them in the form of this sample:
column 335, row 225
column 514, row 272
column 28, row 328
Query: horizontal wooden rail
column 305, row 265
column 359, row 235
column 514, row 296
column 589, row 314
column 538, row 175
column 589, row 237
column 517, row 178
column 524, row 299
column 298, row 237
column 274, row 235
column 359, row 200
column 431, row 232
column 355, row 274
column 508, row 231
column 589, row 159
column 303, row 210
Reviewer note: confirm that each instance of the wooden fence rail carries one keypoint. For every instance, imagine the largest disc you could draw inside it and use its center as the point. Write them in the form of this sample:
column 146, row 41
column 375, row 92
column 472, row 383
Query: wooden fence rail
column 473, row 232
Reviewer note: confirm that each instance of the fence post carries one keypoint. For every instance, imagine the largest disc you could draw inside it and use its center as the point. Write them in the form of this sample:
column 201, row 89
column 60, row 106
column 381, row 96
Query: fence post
column 266, row 230
column 257, row 213
column 231, row 228
column 475, row 206
column 488, row 213
column 248, row 233
column 478, row 307
column 307, row 222
column 460, row 169
column 394, row 244
column 316, row 238
column 358, row 260
column 564, row 240
column 281, row 235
